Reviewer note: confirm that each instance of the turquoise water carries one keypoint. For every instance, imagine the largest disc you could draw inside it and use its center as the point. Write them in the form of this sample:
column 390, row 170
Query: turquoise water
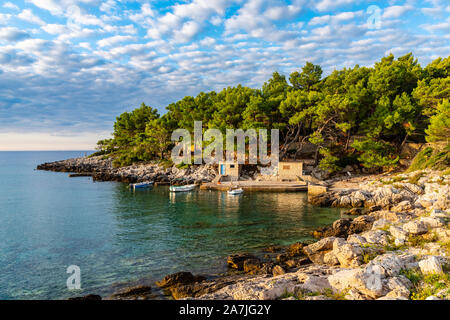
column 49, row 221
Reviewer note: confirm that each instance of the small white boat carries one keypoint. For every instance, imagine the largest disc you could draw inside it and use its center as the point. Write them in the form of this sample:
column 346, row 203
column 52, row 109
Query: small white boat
column 188, row 187
column 236, row 191
column 141, row 185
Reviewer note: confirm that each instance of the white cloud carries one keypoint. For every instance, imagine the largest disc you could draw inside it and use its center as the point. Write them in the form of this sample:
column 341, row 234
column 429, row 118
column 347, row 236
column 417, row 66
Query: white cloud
column 77, row 16
column 164, row 25
column 107, row 42
column 27, row 15
column 9, row 5
column 13, row 34
column 328, row 5
column 396, row 11
column 189, row 30
column 111, row 60
column 284, row 12
column 340, row 17
column 108, row 6
column 208, row 41
column 145, row 16
column 201, row 10
column 60, row 7
column 4, row 18
column 55, row 29
column 443, row 26
column 128, row 29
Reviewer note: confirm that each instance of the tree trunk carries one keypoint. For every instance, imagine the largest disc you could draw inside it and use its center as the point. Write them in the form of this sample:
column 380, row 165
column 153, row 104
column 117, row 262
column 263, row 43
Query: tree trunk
column 316, row 157
column 403, row 142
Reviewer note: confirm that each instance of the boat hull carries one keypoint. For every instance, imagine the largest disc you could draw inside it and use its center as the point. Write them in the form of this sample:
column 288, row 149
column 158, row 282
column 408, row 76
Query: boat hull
column 235, row 192
column 181, row 188
column 141, row 185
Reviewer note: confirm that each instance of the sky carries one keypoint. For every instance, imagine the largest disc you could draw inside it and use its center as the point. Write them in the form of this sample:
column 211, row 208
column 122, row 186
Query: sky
column 68, row 68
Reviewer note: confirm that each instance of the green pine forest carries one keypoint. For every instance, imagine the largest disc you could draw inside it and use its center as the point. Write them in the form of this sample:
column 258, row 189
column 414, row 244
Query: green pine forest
column 358, row 115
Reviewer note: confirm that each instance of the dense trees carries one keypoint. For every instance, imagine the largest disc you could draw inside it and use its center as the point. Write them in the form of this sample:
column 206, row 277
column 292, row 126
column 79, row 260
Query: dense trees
column 356, row 115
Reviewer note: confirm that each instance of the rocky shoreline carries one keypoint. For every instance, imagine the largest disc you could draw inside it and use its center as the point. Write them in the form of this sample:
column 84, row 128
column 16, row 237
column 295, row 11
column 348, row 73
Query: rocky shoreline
column 101, row 169
column 396, row 248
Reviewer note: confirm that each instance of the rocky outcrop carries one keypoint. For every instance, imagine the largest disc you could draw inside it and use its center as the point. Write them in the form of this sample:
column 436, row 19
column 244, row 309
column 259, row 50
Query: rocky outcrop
column 133, row 293
column 368, row 257
column 89, row 297
column 179, row 278
column 260, row 288
column 345, row 227
column 102, row 170
column 394, row 193
column 236, row 261
column 430, row 265
column 198, row 289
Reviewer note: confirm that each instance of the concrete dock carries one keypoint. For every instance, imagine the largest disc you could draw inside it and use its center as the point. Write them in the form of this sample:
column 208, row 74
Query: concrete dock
column 266, row 186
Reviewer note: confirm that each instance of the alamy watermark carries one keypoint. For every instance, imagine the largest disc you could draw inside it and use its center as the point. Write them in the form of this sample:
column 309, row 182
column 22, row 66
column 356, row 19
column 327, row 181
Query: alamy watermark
column 213, row 151
column 374, row 20
column 74, row 280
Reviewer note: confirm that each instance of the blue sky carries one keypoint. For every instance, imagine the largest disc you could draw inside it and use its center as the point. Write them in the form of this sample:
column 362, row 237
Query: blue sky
column 69, row 67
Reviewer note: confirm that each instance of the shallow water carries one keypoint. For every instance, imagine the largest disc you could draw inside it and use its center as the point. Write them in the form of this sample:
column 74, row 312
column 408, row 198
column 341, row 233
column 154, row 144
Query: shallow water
column 49, row 221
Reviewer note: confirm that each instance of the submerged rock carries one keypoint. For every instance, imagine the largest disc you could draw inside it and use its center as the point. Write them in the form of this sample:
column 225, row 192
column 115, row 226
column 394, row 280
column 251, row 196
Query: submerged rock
column 179, row 278
column 198, row 289
column 236, row 261
column 252, row 266
column 133, row 293
column 89, row 297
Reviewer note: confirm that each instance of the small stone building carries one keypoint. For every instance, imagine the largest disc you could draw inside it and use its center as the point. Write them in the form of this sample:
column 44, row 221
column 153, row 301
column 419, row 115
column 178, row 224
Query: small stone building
column 290, row 170
column 230, row 169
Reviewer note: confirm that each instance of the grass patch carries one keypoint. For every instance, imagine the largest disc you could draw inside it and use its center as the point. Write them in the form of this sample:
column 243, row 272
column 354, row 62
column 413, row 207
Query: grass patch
column 415, row 276
column 425, row 285
column 431, row 158
column 286, row 295
column 367, row 257
column 421, row 240
column 393, row 180
column 446, row 246
column 303, row 294
column 100, row 153
column 334, row 295
column 415, row 178
column 430, row 285
column 182, row 165
column 165, row 163
column 391, row 246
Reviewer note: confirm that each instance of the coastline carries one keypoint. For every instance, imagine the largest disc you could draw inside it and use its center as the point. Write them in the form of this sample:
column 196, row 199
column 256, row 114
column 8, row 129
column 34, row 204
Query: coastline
column 102, row 170
column 401, row 229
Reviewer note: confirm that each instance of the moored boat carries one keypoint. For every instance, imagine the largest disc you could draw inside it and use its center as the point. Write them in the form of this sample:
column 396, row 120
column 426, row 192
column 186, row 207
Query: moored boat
column 185, row 188
column 141, row 185
column 236, row 191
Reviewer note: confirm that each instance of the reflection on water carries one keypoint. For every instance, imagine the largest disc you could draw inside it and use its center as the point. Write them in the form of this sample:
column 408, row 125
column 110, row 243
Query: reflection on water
column 119, row 236
column 196, row 230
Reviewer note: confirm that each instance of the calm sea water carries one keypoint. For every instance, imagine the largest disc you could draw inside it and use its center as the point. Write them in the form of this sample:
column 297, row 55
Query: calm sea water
column 49, row 221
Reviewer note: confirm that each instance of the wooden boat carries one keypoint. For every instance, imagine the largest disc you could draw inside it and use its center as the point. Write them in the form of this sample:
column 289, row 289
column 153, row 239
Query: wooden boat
column 141, row 185
column 186, row 188
column 236, row 191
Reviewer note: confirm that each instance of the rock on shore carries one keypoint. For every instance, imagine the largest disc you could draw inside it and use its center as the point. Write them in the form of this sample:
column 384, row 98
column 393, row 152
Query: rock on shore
column 420, row 189
column 399, row 250
column 102, row 170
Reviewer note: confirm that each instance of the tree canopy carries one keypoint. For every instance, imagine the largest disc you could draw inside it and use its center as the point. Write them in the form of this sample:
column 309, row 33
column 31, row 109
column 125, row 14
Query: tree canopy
column 361, row 115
